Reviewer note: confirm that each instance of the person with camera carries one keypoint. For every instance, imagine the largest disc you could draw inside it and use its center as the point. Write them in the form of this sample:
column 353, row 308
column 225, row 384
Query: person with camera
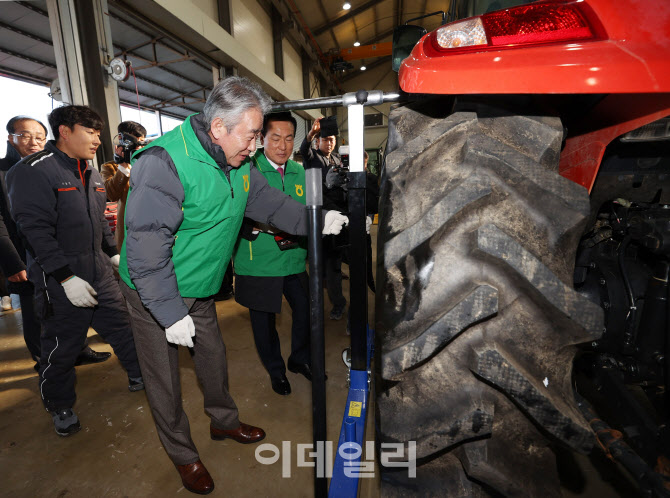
column 116, row 173
column 269, row 263
column 324, row 157
column 58, row 203
column 26, row 136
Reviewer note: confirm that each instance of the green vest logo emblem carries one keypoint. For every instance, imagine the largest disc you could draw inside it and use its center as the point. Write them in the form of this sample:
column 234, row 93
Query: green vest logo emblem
column 246, row 183
column 298, row 190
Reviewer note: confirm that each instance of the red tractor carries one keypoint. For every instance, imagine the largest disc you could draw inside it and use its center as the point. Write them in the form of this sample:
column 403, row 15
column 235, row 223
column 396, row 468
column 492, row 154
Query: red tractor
column 524, row 246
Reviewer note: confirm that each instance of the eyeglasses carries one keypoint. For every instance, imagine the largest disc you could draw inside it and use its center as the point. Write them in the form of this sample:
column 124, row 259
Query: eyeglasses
column 27, row 137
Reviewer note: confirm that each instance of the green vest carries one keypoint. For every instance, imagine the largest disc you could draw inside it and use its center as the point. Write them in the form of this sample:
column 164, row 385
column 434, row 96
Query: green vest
column 212, row 214
column 262, row 257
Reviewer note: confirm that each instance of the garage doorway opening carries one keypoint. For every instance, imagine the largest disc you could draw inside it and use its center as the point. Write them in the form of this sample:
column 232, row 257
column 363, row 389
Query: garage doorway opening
column 23, row 98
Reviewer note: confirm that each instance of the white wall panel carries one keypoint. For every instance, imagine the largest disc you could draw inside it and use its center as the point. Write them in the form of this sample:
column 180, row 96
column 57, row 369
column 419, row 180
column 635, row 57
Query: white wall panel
column 209, row 7
column 253, row 29
column 292, row 67
column 251, row 51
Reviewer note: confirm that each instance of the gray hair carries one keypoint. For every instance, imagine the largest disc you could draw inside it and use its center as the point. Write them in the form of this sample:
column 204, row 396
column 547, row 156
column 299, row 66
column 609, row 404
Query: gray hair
column 232, row 97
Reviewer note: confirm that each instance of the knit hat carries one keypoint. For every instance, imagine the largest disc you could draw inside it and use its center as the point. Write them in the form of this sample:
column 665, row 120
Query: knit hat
column 328, row 127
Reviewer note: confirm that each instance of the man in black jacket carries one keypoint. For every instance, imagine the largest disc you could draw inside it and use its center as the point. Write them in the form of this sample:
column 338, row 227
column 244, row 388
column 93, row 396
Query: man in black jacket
column 26, row 136
column 324, row 158
column 58, row 203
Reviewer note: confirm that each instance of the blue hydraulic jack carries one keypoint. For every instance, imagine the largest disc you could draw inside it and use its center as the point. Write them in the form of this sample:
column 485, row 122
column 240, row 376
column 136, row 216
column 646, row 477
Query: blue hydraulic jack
column 347, row 468
column 345, row 475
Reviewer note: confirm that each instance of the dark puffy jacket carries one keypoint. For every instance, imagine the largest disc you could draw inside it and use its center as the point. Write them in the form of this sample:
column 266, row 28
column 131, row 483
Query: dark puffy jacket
column 12, row 253
column 333, row 198
column 58, row 204
column 11, row 158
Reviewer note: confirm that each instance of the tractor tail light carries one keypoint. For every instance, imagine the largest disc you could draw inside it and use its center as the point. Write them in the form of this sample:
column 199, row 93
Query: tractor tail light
column 532, row 24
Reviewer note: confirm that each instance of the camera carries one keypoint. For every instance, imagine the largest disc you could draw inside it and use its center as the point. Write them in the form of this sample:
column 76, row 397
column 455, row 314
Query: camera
column 344, row 157
column 128, row 144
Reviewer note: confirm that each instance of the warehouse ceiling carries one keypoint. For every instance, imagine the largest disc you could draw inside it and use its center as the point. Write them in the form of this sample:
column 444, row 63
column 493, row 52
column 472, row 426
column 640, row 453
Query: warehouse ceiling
column 169, row 78
column 369, row 22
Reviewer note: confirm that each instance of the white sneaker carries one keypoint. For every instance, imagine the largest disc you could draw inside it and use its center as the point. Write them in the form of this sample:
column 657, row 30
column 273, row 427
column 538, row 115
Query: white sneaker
column 6, row 303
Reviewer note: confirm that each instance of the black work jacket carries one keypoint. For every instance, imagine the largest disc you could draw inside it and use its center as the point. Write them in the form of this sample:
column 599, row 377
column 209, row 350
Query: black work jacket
column 58, row 204
column 334, row 198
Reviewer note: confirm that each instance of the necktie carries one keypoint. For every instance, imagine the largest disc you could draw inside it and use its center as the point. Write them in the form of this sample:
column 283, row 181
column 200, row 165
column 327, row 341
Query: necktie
column 281, row 171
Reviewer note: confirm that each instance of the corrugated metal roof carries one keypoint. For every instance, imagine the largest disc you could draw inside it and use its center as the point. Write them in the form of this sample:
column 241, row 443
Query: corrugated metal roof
column 168, row 78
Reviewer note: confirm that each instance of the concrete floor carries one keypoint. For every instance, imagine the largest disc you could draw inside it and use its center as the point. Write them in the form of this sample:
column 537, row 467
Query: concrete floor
column 117, row 452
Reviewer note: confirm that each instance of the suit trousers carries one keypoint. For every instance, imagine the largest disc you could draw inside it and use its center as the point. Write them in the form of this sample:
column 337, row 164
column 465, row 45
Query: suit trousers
column 159, row 361
column 265, row 332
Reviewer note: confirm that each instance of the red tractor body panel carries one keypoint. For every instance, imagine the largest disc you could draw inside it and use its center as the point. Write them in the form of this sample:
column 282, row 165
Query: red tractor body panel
column 634, row 58
column 630, row 57
column 612, row 117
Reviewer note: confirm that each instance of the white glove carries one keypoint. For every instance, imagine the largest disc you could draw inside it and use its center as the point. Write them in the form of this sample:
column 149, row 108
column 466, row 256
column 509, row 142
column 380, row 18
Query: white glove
column 79, row 292
column 124, row 170
column 334, row 222
column 368, row 224
column 116, row 258
column 181, row 332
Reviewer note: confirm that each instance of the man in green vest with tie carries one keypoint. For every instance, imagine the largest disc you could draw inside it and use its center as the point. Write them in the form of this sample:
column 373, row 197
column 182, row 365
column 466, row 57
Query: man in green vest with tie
column 189, row 191
column 270, row 263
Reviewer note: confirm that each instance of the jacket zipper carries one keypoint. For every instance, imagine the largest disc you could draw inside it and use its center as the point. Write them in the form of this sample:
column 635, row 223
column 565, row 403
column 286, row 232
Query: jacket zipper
column 88, row 211
column 232, row 193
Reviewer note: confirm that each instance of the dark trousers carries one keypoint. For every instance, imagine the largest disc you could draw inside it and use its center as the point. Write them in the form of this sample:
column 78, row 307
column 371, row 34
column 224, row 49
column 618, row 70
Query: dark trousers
column 64, row 332
column 368, row 253
column 333, row 265
column 4, row 290
column 265, row 332
column 160, row 369
column 32, row 327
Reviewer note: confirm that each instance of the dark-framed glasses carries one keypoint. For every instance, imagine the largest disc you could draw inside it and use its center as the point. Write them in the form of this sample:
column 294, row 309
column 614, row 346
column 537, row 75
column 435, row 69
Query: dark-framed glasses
column 27, row 137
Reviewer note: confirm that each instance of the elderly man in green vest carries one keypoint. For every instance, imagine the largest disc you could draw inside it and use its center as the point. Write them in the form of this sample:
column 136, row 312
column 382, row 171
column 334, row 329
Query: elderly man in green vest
column 189, row 192
column 269, row 263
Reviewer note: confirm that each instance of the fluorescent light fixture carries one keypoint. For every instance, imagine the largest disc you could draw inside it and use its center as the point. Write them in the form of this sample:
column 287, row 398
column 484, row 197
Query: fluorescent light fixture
column 346, row 6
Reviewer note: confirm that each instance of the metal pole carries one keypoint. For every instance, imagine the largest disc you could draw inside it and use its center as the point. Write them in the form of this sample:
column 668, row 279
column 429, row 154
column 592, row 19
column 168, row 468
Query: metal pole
column 358, row 295
column 314, row 203
column 313, row 184
column 374, row 97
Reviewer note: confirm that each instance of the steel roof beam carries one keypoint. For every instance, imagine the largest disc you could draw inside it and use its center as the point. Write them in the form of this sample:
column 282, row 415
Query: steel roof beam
column 339, row 20
column 129, row 12
column 159, row 65
column 128, row 103
column 378, row 62
column 152, row 97
column 24, row 76
column 27, row 58
column 169, row 71
column 26, row 34
column 31, row 6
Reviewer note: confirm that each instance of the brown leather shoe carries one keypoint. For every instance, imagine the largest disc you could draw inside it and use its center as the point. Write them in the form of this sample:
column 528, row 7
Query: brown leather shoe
column 195, row 478
column 244, row 434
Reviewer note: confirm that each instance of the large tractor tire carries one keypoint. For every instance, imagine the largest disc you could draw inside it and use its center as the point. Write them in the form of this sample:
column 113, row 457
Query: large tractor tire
column 476, row 314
